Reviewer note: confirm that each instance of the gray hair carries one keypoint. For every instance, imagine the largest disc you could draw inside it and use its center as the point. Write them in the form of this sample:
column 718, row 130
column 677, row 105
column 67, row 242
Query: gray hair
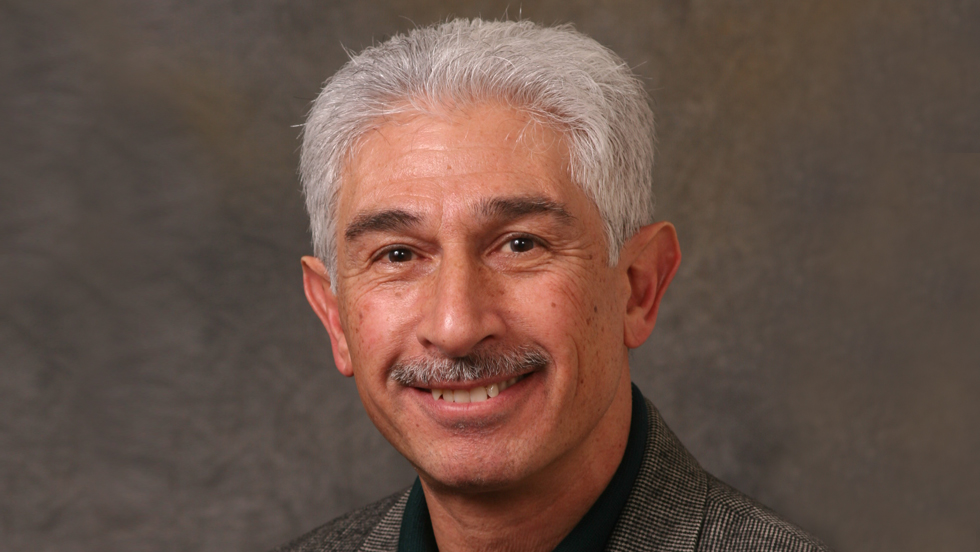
column 556, row 75
column 480, row 364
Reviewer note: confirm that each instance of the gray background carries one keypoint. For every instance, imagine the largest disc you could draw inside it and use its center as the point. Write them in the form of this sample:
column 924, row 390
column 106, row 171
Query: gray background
column 164, row 386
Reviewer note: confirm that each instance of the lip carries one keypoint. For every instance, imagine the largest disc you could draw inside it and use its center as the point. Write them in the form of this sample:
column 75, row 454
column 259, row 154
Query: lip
column 452, row 414
column 453, row 386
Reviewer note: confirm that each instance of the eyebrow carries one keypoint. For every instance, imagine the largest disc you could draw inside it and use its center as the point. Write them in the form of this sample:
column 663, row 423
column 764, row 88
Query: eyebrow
column 388, row 220
column 510, row 208
column 506, row 208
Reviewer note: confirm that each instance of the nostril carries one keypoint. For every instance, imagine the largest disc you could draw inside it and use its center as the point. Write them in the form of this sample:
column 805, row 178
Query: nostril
column 457, row 327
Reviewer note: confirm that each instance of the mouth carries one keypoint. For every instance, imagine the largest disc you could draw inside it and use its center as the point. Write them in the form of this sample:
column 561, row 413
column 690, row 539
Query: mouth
column 478, row 393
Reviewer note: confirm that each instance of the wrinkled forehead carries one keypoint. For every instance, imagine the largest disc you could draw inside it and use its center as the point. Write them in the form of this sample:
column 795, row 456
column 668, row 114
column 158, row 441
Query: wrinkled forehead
column 463, row 153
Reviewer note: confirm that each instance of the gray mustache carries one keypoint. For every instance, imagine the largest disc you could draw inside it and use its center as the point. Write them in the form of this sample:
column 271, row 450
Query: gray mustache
column 492, row 363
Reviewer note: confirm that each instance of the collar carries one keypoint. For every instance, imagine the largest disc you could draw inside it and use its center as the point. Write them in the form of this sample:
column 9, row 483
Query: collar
column 592, row 531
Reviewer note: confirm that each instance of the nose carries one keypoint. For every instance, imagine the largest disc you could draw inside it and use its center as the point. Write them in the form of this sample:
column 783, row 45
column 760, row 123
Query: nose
column 459, row 311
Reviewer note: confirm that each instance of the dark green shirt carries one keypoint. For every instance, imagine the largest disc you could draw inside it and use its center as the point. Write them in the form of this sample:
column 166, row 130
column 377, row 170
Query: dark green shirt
column 592, row 531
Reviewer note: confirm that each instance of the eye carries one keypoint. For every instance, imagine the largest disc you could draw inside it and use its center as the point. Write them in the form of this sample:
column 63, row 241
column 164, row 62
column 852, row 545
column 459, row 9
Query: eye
column 520, row 244
column 400, row 255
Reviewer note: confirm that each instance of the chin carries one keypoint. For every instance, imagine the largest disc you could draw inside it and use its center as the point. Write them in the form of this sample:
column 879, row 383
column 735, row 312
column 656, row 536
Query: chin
column 469, row 474
column 471, row 482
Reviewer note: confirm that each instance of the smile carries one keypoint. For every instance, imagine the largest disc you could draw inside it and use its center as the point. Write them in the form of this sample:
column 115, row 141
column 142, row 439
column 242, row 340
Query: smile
column 479, row 393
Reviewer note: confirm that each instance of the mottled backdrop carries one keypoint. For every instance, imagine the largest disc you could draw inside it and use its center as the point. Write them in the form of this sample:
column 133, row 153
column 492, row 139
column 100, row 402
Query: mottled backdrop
column 164, row 386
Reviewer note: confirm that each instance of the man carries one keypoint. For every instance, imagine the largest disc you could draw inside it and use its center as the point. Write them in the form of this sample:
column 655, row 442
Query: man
column 485, row 259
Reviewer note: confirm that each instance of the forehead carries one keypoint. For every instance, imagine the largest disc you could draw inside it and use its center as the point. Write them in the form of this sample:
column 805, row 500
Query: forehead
column 454, row 159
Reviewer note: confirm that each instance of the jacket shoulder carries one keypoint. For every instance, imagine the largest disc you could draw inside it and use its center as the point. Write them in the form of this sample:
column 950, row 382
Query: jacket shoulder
column 736, row 523
column 345, row 533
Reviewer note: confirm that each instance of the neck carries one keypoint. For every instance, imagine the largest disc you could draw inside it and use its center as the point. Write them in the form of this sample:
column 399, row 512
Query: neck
column 536, row 513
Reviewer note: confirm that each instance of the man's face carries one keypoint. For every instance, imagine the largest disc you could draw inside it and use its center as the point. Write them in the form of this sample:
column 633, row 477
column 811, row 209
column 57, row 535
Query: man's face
column 464, row 236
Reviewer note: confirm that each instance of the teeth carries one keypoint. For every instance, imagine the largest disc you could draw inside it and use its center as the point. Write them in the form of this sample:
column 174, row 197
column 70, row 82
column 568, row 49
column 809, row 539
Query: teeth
column 477, row 394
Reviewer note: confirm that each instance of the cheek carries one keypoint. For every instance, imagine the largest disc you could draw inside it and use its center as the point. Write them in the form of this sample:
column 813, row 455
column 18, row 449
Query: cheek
column 378, row 322
column 588, row 310
column 559, row 308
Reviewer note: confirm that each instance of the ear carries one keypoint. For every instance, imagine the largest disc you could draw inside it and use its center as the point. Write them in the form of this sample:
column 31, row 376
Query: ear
column 651, row 258
column 316, row 283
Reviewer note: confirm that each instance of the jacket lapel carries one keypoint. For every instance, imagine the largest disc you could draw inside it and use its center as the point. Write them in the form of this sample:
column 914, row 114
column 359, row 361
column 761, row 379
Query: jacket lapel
column 666, row 507
column 384, row 536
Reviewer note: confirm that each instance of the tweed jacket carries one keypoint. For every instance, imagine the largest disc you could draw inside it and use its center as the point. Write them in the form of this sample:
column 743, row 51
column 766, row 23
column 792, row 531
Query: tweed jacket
column 675, row 506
